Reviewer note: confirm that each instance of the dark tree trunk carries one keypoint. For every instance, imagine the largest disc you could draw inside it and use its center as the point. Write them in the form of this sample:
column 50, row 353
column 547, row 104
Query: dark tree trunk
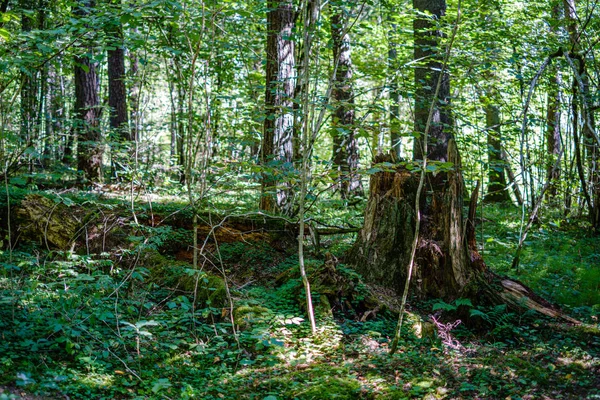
column 496, row 190
column 117, row 92
column 427, row 74
column 87, row 108
column 277, row 145
column 581, row 102
column 395, row 137
column 553, row 136
column 134, row 95
column 345, row 145
column 447, row 263
column 181, row 95
column 29, row 85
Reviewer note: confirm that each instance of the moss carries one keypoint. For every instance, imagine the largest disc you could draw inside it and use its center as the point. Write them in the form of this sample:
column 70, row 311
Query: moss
column 47, row 221
column 209, row 289
column 336, row 288
column 246, row 315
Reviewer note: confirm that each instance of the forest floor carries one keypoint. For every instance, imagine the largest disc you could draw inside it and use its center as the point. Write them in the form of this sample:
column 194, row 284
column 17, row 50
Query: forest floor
column 123, row 313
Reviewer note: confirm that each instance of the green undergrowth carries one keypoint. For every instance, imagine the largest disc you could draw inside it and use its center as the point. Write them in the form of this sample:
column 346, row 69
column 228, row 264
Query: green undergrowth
column 560, row 258
column 136, row 322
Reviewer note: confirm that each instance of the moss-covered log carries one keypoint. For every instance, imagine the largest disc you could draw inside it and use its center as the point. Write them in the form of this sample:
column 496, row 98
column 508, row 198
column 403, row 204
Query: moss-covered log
column 49, row 222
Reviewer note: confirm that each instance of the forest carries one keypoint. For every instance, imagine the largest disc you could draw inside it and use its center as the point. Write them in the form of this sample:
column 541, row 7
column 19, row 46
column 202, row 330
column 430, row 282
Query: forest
column 299, row 199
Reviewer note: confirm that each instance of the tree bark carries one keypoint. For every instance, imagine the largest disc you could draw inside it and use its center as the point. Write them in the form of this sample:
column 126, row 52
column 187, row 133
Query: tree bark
column 553, row 136
column 345, row 145
column 117, row 92
column 87, row 107
column 30, row 85
column 277, row 145
column 496, row 191
column 395, row 137
column 427, row 72
column 301, row 84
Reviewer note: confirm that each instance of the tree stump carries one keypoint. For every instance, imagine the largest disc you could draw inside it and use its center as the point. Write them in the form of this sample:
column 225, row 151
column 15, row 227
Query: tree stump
column 447, row 263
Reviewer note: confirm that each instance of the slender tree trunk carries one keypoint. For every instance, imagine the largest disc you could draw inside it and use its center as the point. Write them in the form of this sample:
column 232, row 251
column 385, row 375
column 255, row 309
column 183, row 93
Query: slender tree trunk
column 173, row 116
column 277, row 145
column 553, row 139
column 30, row 86
column 134, row 95
column 511, row 178
column 301, row 84
column 181, row 139
column 87, row 107
column 497, row 190
column 345, row 144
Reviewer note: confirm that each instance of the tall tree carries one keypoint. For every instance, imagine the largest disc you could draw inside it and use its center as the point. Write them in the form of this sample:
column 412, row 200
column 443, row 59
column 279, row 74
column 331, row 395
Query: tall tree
column 553, row 115
column 581, row 107
column 345, row 144
column 117, row 91
column 416, row 223
column 87, row 104
column 553, row 139
column 395, row 137
column 30, row 82
column 277, row 144
column 427, row 74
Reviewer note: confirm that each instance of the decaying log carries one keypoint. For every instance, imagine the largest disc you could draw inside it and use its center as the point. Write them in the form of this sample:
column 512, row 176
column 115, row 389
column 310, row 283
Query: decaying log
column 52, row 223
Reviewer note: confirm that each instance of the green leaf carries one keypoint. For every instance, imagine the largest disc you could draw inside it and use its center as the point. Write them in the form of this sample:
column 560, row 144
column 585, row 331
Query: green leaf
column 463, row 302
column 4, row 34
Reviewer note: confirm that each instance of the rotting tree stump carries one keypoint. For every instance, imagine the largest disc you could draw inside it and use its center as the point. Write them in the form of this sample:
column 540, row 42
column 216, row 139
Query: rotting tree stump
column 447, row 263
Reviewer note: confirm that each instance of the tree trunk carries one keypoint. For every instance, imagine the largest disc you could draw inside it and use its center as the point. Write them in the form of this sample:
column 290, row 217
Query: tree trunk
column 87, row 108
column 553, row 136
column 56, row 109
column 581, row 101
column 447, row 264
column 117, row 92
column 427, row 73
column 301, row 84
column 345, row 145
column 277, row 146
column 181, row 139
column 496, row 190
column 29, row 87
column 395, row 137
column 134, row 96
